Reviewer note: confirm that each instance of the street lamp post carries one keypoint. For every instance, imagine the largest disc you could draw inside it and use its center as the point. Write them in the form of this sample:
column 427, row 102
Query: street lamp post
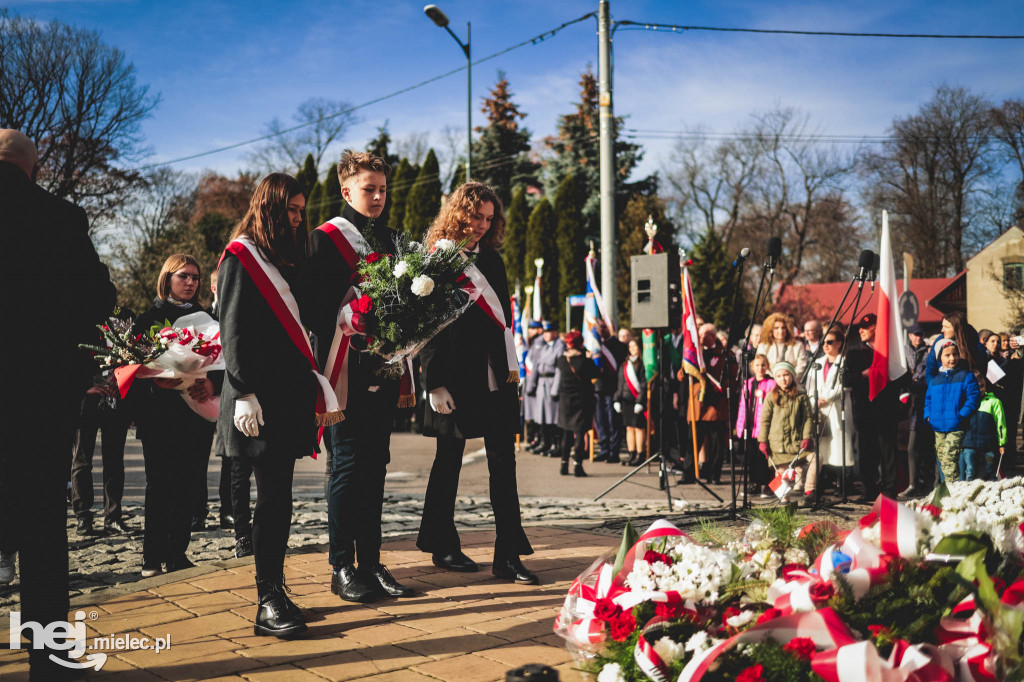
column 441, row 19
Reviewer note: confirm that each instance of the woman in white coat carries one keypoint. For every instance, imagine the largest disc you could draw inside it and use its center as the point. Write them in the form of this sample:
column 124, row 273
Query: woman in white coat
column 828, row 389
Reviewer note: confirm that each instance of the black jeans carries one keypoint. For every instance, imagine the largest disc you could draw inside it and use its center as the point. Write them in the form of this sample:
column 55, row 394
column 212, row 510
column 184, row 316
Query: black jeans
column 438, row 534
column 359, row 450
column 609, row 427
column 876, row 446
column 921, row 457
column 114, row 426
column 241, row 470
column 173, row 460
column 272, row 520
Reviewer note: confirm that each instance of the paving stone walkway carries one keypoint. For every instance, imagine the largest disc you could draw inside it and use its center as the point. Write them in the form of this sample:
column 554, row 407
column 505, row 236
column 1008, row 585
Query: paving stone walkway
column 459, row 627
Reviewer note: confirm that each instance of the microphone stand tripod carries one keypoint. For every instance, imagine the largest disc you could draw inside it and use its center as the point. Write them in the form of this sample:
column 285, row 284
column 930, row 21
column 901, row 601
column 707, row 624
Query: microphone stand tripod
column 743, row 371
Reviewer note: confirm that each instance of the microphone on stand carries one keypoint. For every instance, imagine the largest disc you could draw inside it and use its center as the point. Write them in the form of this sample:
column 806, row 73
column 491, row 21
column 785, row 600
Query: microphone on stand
column 864, row 264
column 774, row 253
column 742, row 257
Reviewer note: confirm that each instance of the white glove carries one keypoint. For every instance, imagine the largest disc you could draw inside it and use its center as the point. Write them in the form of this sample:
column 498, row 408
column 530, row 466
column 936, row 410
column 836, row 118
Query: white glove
column 638, row 408
column 248, row 415
column 441, row 401
column 617, row 406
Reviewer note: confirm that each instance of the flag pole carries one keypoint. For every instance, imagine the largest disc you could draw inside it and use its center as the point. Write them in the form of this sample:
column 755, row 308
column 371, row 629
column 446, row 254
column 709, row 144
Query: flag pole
column 693, row 425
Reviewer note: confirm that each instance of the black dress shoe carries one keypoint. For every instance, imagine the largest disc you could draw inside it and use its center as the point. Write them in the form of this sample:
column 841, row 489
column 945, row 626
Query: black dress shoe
column 198, row 524
column 227, row 521
column 350, row 586
column 243, row 547
column 455, row 561
column 179, row 564
column 387, row 582
column 84, row 526
column 116, row 527
column 274, row 617
column 511, row 568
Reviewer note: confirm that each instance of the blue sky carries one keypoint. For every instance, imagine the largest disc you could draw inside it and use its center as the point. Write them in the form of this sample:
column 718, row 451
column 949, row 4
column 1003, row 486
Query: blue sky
column 223, row 69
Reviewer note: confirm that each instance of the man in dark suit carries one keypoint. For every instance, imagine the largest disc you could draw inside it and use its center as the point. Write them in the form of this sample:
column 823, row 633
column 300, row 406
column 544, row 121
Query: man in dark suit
column 609, row 424
column 51, row 260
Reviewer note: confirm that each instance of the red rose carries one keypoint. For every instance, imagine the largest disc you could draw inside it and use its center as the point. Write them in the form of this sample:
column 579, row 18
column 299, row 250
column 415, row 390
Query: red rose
column 801, row 647
column 650, row 556
column 372, row 257
column 868, row 520
column 623, row 626
column 364, row 304
column 768, row 615
column 754, row 673
column 606, row 609
column 821, row 592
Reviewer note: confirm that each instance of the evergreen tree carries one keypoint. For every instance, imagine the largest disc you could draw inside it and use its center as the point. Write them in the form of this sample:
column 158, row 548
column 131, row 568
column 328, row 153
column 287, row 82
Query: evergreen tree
column 332, row 200
column 712, row 279
column 214, row 228
column 379, row 146
column 577, row 151
column 572, row 273
column 500, row 157
column 424, row 200
column 458, row 178
column 632, row 238
column 399, row 185
column 514, row 251
column 314, row 207
column 307, row 176
column 540, row 243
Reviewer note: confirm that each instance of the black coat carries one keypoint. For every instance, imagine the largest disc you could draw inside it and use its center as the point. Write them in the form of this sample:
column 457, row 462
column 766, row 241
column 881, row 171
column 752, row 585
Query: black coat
column 262, row 359
column 608, row 377
column 576, row 398
column 330, row 280
column 625, row 397
column 457, row 359
column 885, row 408
column 63, row 290
column 160, row 412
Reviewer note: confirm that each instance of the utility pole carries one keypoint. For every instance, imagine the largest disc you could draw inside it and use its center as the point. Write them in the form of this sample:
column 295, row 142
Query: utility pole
column 607, row 166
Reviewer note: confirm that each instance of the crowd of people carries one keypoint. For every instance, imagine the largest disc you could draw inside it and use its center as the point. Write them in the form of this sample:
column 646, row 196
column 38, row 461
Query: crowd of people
column 806, row 407
column 278, row 291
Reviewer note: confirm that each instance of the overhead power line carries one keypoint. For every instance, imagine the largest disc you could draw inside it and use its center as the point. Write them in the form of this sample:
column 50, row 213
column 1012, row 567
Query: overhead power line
column 539, row 38
column 677, row 28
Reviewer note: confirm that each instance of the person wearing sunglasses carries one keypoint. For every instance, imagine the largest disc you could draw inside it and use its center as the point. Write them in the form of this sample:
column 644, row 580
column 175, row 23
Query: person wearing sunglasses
column 829, row 391
column 176, row 442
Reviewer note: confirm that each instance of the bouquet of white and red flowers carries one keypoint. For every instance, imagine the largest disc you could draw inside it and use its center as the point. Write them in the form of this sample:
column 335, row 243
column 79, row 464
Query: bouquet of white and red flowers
column 402, row 301
column 187, row 350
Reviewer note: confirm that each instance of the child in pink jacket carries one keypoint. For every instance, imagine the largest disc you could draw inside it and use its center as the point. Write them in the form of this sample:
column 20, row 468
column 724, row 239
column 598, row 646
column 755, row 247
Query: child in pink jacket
column 752, row 398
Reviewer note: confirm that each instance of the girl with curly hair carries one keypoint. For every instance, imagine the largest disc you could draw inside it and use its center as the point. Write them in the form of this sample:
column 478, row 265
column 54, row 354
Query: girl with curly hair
column 473, row 394
column 779, row 343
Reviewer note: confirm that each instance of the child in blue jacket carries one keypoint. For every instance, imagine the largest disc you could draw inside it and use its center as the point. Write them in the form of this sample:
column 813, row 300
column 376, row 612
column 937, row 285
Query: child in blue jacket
column 985, row 436
column 952, row 397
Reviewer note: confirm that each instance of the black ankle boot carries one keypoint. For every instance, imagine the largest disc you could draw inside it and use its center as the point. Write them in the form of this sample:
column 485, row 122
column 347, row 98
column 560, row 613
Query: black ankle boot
column 578, row 471
column 274, row 617
column 565, row 468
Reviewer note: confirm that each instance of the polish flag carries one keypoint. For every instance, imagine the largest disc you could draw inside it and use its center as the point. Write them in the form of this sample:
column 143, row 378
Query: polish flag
column 889, row 361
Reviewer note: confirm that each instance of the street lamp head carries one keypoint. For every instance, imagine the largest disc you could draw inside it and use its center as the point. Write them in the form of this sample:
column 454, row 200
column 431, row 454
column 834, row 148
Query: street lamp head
column 436, row 15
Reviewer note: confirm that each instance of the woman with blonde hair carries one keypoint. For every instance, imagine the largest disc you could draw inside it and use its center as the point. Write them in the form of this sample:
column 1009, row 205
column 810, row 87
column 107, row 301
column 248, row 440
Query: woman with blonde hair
column 779, row 343
column 176, row 442
column 471, row 378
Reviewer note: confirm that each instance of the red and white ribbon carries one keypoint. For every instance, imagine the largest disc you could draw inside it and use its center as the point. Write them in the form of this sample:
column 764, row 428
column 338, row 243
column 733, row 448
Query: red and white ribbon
column 898, row 526
column 278, row 294
column 482, row 293
column 649, row 661
column 632, row 380
column 861, row 661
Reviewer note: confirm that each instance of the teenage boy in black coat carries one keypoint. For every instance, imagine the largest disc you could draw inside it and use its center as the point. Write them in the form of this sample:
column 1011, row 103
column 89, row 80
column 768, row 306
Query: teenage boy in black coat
column 358, row 448
column 35, row 460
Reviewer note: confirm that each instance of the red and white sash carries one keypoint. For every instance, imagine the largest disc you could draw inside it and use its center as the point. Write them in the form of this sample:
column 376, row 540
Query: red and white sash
column 278, row 294
column 481, row 291
column 352, row 246
column 632, row 380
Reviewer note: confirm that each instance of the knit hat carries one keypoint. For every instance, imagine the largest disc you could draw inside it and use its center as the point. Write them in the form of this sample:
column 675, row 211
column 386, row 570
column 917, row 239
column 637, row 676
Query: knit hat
column 782, row 364
column 942, row 344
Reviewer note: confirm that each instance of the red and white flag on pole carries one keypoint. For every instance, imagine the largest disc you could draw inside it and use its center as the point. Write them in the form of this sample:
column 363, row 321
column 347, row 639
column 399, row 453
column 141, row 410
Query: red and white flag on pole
column 889, row 361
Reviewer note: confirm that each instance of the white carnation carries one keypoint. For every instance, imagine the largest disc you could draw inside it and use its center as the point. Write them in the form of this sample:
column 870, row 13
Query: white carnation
column 442, row 244
column 740, row 619
column 668, row 650
column 698, row 642
column 611, row 672
column 422, row 285
column 400, row 268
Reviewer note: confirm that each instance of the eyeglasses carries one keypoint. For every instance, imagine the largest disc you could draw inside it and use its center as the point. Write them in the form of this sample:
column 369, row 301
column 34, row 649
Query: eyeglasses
column 186, row 277
column 829, row 342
